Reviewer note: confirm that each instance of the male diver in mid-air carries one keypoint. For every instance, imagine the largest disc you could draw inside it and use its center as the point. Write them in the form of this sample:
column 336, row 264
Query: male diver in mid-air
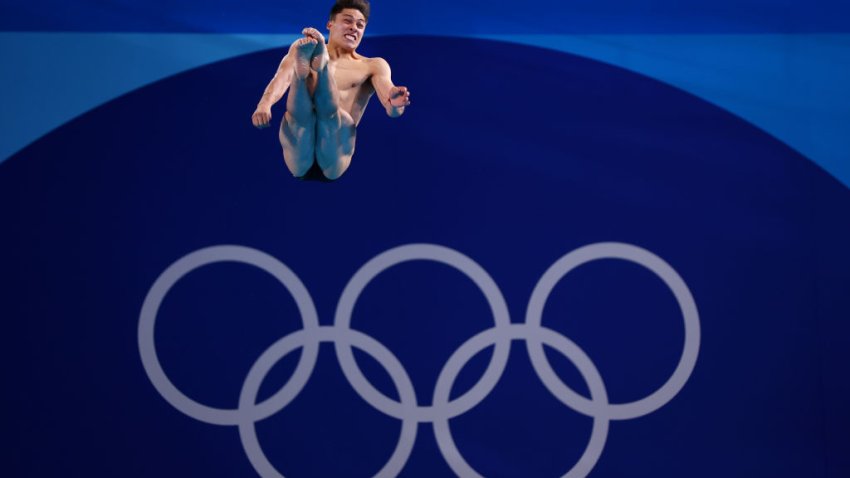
column 329, row 88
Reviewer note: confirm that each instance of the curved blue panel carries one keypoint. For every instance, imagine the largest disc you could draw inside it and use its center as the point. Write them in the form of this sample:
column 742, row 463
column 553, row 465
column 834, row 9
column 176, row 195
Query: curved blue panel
column 792, row 86
column 96, row 68
column 512, row 177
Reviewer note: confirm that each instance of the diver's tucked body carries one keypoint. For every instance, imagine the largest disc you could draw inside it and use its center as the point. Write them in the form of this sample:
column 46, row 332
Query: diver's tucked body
column 329, row 86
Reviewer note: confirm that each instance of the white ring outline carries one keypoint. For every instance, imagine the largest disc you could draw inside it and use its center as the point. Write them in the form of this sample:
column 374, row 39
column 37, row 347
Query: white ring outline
column 301, row 338
column 344, row 338
column 187, row 264
column 456, row 260
column 565, row 346
column 627, row 252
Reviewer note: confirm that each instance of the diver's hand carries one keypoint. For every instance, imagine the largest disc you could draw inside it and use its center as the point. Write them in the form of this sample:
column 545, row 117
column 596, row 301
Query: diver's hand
column 262, row 117
column 399, row 97
column 314, row 34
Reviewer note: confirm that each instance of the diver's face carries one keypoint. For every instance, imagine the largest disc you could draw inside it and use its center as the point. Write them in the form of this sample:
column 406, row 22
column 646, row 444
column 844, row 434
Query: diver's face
column 347, row 28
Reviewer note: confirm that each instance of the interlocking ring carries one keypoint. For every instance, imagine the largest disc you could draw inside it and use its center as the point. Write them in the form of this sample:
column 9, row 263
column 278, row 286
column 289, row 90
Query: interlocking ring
column 451, row 258
column 177, row 271
column 406, row 409
column 625, row 411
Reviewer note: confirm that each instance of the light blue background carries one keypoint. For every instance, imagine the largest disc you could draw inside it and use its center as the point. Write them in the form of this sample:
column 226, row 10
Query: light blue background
column 782, row 66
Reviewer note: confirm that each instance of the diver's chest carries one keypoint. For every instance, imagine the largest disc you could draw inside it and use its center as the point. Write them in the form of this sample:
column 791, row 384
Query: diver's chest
column 351, row 79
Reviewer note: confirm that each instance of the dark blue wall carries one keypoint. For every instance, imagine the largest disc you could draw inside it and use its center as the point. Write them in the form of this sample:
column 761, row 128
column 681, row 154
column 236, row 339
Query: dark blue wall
column 510, row 155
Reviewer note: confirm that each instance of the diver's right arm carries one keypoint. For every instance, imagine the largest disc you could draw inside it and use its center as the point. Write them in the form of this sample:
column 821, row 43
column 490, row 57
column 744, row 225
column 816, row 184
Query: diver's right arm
column 274, row 92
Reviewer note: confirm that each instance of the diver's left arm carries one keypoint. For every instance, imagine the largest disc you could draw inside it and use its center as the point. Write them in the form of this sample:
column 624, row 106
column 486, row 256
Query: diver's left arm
column 394, row 98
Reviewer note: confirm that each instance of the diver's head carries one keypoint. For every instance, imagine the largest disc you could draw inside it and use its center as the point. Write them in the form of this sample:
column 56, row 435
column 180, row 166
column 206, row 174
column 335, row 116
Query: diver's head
column 347, row 22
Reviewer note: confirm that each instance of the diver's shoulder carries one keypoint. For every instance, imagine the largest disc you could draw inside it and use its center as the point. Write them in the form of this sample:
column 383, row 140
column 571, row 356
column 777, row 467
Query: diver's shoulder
column 376, row 63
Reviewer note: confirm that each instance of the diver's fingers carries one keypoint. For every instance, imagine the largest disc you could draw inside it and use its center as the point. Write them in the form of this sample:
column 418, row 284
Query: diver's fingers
column 261, row 119
column 313, row 33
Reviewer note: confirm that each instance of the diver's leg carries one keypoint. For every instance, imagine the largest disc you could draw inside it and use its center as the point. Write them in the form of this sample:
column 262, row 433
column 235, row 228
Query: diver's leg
column 335, row 129
column 298, row 128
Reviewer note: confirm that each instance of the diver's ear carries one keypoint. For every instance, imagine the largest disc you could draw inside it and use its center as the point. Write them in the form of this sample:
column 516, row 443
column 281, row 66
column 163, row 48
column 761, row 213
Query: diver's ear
column 328, row 26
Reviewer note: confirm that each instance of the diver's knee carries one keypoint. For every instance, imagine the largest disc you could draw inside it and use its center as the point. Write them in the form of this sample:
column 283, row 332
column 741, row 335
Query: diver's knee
column 327, row 114
column 299, row 117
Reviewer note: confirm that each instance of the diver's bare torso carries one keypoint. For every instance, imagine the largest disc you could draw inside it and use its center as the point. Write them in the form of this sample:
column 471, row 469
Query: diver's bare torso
column 352, row 78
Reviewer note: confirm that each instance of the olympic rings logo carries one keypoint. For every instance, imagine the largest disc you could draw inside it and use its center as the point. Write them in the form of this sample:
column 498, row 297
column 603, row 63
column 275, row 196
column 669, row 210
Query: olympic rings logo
column 345, row 338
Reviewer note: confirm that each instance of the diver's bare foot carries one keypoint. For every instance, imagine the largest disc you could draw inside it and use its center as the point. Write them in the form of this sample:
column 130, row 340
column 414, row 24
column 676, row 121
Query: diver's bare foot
column 302, row 50
column 320, row 54
column 320, row 57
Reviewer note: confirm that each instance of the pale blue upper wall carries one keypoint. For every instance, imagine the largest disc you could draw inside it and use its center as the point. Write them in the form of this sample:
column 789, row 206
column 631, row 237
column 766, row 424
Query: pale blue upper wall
column 791, row 86
column 781, row 65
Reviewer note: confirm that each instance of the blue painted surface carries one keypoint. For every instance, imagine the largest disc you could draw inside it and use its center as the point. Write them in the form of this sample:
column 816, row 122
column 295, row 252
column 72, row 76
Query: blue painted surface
column 711, row 133
column 436, row 18
column 54, row 77
column 754, row 229
column 793, row 87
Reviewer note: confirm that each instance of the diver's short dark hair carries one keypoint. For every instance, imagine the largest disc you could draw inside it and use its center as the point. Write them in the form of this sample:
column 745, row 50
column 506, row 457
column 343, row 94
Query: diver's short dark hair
column 340, row 5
